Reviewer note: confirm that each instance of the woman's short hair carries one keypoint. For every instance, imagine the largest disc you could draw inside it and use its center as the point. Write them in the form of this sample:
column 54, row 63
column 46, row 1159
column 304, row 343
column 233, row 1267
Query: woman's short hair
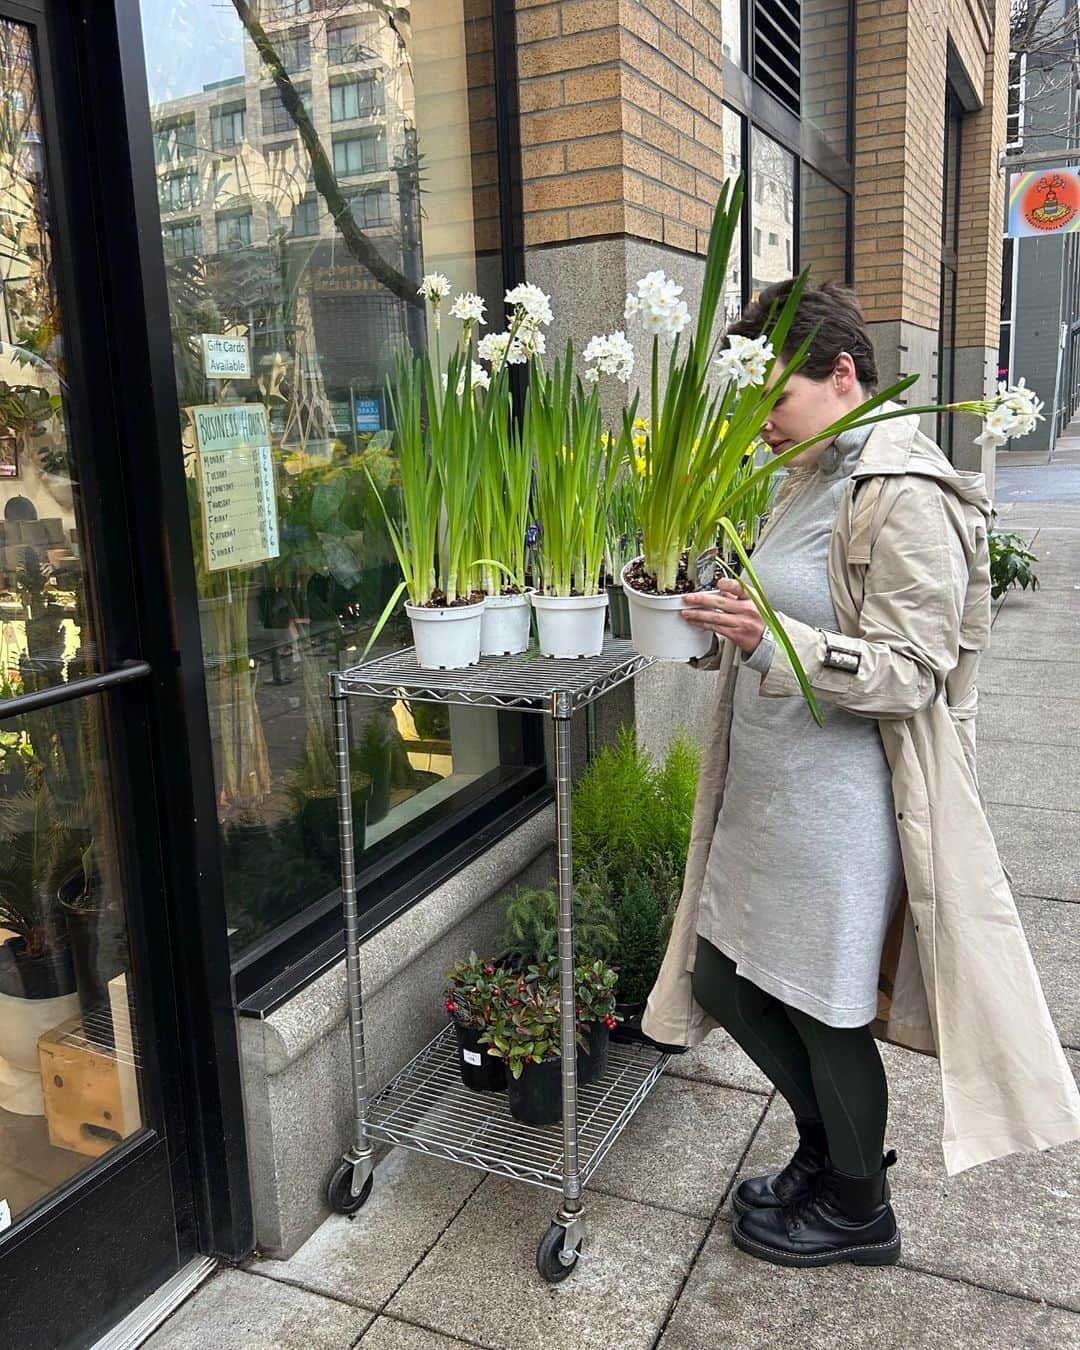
column 834, row 311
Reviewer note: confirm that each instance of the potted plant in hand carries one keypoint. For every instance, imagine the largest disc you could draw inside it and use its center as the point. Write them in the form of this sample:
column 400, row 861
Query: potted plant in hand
column 474, row 990
column 697, row 440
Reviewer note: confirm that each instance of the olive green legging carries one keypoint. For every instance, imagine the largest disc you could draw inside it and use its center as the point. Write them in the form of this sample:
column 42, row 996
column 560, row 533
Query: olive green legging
column 829, row 1074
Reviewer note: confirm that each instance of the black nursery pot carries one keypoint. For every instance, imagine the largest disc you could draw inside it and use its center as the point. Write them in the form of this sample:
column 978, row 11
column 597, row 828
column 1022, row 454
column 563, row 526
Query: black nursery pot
column 591, row 1065
column 479, row 1071
column 22, row 976
column 618, row 611
column 629, row 1029
column 536, row 1097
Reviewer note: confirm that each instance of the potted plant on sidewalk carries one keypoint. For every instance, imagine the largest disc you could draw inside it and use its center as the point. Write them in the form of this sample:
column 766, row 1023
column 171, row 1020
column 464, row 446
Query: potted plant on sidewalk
column 524, row 1036
column 595, row 983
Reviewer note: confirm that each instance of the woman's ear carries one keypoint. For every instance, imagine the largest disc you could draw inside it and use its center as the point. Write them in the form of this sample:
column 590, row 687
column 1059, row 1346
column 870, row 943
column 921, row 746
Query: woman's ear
column 843, row 374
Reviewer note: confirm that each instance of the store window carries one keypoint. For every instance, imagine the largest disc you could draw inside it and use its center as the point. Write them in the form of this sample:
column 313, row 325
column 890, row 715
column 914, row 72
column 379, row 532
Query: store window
column 826, row 62
column 362, row 97
column 731, row 30
column 733, row 166
column 824, row 230
column 70, row 1086
column 772, row 169
column 950, row 241
column 315, row 284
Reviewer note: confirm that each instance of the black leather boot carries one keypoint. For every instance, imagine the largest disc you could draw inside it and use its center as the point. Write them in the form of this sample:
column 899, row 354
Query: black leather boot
column 796, row 1179
column 843, row 1219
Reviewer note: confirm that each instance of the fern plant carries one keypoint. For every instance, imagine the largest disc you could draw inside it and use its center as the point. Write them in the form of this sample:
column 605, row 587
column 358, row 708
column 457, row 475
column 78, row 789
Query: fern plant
column 1010, row 564
column 531, row 936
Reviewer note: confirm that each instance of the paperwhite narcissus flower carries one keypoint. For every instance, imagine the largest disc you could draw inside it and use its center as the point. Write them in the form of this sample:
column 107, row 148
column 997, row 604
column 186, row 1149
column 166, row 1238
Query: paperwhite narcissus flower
column 496, row 347
column 434, row 287
column 531, row 300
column 1015, row 411
column 657, row 301
column 469, row 308
column 745, row 360
column 479, row 379
column 613, row 355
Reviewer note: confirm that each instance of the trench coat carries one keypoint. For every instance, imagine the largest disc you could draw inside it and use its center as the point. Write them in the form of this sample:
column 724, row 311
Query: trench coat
column 909, row 575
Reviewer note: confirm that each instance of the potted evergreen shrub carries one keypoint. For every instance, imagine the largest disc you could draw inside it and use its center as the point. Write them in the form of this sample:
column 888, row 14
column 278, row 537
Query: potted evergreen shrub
column 474, row 989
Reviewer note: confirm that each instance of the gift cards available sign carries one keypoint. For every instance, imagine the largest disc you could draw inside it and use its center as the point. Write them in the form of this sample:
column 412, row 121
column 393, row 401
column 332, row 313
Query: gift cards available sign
column 225, row 358
column 239, row 504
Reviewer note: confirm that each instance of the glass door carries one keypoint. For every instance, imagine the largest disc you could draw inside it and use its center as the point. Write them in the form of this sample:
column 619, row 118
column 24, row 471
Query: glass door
column 92, row 1174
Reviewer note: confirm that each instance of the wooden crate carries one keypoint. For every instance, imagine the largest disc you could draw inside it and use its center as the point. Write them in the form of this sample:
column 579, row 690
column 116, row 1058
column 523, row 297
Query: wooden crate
column 81, row 1084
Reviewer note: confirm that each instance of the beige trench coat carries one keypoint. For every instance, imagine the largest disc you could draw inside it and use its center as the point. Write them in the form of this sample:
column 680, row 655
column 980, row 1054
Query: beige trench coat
column 909, row 575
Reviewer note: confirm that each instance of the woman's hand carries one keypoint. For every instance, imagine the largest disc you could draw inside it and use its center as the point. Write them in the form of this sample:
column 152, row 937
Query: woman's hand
column 727, row 612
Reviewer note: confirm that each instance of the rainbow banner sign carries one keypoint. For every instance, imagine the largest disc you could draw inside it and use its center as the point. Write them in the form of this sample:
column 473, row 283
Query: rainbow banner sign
column 1044, row 201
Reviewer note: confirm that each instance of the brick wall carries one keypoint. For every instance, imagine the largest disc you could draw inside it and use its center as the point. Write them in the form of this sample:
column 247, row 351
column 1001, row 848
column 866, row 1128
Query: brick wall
column 982, row 196
column 899, row 151
column 621, row 119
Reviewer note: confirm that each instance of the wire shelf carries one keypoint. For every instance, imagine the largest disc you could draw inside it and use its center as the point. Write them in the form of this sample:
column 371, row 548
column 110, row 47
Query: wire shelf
column 529, row 682
column 428, row 1108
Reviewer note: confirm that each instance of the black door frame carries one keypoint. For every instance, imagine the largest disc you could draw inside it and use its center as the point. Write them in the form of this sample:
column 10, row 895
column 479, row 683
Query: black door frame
column 110, row 281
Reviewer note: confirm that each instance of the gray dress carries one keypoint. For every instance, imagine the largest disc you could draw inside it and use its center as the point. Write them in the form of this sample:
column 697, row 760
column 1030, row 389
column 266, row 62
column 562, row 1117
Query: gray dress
column 804, row 870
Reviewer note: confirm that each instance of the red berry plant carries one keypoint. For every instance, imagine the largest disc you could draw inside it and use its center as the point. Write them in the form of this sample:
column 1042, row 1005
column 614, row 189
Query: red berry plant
column 474, row 990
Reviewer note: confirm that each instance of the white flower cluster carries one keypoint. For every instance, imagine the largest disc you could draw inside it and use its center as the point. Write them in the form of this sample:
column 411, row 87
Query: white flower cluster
column 469, row 308
column 1014, row 412
column 533, row 306
column 479, row 379
column 434, row 288
column 745, row 360
column 613, row 355
column 657, row 301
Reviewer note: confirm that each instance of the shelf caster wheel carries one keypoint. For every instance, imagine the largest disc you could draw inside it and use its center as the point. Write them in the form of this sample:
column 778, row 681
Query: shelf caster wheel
column 553, row 1261
column 339, row 1190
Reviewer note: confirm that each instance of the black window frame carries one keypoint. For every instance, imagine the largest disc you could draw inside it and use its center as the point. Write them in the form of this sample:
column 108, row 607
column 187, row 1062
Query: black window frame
column 218, row 113
column 377, row 100
column 761, row 110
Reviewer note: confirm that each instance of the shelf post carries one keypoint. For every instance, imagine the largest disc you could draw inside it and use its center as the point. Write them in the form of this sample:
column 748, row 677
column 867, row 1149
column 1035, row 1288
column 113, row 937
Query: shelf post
column 561, row 709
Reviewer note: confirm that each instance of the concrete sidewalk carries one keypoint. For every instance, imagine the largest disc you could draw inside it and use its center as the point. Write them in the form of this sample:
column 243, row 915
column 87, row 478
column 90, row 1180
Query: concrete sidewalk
column 442, row 1256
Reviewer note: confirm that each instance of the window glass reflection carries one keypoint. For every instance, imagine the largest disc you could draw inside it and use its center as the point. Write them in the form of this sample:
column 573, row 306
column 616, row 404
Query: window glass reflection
column 826, row 42
column 824, row 228
column 772, row 211
column 733, row 163
column 340, row 154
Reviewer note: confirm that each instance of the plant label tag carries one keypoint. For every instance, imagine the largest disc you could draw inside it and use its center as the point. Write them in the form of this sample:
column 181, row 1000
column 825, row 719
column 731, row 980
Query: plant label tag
column 471, row 1057
column 5, row 1215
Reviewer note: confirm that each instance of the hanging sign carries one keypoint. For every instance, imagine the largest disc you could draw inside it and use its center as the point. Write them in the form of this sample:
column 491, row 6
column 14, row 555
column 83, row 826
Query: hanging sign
column 225, row 358
column 1043, row 201
column 368, row 415
column 239, row 506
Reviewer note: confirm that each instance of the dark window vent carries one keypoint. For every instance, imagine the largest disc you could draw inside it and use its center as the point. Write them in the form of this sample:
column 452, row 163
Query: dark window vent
column 776, row 49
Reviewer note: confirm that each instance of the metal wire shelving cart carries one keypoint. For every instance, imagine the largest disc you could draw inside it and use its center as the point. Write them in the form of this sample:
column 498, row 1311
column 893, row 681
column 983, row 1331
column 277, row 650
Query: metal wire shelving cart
column 426, row 1107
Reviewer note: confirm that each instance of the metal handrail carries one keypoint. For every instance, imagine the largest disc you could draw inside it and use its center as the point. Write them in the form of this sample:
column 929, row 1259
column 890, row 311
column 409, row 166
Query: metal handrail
column 126, row 673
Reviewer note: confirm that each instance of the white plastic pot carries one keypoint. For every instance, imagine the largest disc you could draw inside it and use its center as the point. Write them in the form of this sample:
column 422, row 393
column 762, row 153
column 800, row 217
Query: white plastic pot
column 570, row 625
column 22, row 1021
column 657, row 627
column 505, row 628
column 446, row 639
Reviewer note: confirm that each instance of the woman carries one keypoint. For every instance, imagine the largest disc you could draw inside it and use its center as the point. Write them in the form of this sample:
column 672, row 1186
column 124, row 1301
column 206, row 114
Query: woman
column 842, row 882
